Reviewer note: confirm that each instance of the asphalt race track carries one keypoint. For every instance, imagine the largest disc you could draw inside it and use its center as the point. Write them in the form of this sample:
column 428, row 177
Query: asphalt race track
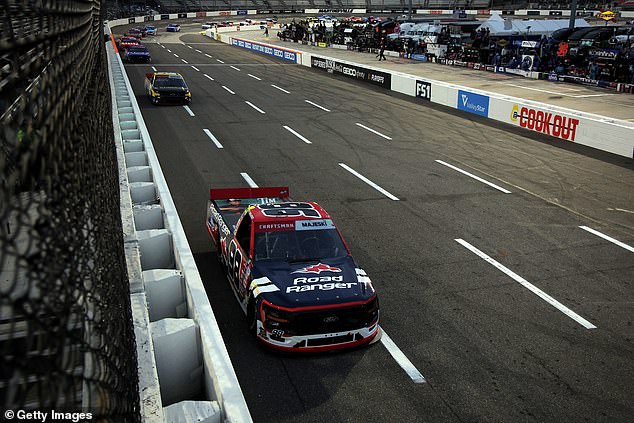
column 510, row 309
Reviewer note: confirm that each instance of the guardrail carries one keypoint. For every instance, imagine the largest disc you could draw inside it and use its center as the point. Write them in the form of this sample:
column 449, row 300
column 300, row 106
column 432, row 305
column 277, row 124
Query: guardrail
column 181, row 354
column 600, row 132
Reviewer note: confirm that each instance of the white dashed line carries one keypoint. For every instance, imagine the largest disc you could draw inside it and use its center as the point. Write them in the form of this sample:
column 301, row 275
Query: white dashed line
column 317, row 105
column 281, row 89
column 608, row 238
column 250, row 181
column 219, row 60
column 254, row 77
column 292, row 131
column 208, row 55
column 184, row 61
column 153, row 68
column 255, row 107
column 369, row 182
column 233, row 67
column 198, row 51
column 195, row 68
column 208, row 77
column 210, row 135
column 550, row 300
column 169, row 51
column 373, row 131
column 189, row 46
column 228, row 89
column 176, row 55
column 189, row 111
column 477, row 178
column 401, row 359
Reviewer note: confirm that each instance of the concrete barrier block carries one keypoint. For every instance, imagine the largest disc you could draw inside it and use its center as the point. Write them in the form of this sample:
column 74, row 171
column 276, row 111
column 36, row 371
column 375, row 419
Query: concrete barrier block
column 148, row 217
column 193, row 411
column 136, row 159
column 143, row 193
column 178, row 359
column 165, row 293
column 139, row 174
column 156, row 249
column 133, row 146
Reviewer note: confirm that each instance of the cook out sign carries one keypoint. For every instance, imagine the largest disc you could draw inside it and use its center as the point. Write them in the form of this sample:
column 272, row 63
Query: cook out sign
column 548, row 123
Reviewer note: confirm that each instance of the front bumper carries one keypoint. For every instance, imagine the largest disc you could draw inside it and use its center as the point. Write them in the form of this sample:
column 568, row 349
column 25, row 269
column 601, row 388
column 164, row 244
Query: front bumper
column 318, row 342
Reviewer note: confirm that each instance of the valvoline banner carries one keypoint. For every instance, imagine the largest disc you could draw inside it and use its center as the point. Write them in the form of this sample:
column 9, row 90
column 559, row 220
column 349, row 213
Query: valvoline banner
column 473, row 103
column 281, row 53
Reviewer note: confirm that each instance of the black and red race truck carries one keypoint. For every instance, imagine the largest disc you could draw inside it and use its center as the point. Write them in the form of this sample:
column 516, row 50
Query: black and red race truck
column 291, row 271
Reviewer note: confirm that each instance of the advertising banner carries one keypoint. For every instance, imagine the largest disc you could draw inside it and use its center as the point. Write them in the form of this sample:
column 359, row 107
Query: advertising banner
column 281, row 53
column 375, row 77
column 473, row 103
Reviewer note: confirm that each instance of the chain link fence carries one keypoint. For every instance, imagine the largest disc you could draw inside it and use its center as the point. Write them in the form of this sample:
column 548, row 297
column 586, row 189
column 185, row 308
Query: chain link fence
column 66, row 332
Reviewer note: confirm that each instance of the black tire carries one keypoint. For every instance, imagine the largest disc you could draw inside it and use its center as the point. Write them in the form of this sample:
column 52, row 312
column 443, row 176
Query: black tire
column 252, row 316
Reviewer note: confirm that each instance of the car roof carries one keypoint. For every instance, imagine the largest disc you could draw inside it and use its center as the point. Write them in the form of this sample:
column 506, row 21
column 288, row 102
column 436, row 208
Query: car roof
column 287, row 212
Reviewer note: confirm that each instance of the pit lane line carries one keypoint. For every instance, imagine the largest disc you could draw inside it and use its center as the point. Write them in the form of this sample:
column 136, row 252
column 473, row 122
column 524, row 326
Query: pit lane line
column 477, row 178
column 189, row 111
column 250, row 181
column 369, row 182
column 301, row 137
column 608, row 238
column 211, row 136
column 281, row 89
column 314, row 104
column 255, row 107
column 374, row 131
column 550, row 300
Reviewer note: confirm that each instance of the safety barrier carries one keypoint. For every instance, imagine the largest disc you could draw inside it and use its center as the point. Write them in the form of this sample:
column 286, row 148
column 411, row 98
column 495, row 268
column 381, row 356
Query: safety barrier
column 181, row 354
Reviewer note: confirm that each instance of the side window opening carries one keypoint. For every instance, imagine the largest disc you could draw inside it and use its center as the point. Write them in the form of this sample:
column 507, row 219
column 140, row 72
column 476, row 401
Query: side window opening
column 243, row 236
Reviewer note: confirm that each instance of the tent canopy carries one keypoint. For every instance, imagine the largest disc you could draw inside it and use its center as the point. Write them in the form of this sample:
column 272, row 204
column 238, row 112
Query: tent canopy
column 500, row 27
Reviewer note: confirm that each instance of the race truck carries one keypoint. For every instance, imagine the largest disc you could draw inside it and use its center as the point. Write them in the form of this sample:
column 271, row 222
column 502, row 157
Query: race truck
column 167, row 87
column 291, row 271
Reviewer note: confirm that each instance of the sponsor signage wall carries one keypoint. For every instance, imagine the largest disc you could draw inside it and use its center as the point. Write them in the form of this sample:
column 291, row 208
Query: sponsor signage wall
column 382, row 79
column 473, row 103
column 281, row 53
column 546, row 122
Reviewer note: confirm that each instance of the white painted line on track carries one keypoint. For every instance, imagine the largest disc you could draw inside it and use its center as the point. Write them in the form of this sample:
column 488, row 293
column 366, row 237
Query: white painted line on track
column 369, row 182
column 593, row 95
column 477, row 178
column 373, row 131
column 281, row 89
column 208, row 77
column 250, row 181
column 176, row 55
column 189, row 111
column 255, row 107
column 233, row 67
column 292, row 131
column 317, row 105
column 210, row 135
column 228, row 89
column 195, row 68
column 153, row 68
column 219, row 60
column 189, row 46
column 161, row 45
column 208, row 55
column 550, row 300
column 620, row 210
column 401, row 359
column 184, row 61
column 608, row 238
column 254, row 77
column 169, row 51
column 198, row 51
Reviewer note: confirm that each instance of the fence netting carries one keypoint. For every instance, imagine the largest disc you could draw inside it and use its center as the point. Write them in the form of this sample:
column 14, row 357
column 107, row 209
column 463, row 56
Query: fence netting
column 66, row 332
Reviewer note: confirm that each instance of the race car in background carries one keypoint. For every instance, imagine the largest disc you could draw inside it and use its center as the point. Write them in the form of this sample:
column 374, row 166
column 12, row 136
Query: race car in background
column 135, row 32
column 150, row 30
column 291, row 271
column 126, row 42
column 173, row 28
column 137, row 54
column 167, row 88
column 207, row 25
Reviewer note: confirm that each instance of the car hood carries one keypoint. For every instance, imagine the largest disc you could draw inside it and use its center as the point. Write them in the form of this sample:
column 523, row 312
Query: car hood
column 138, row 53
column 310, row 283
column 172, row 90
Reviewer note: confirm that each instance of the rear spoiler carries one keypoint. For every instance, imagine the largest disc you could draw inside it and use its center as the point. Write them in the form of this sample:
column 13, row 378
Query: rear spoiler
column 226, row 193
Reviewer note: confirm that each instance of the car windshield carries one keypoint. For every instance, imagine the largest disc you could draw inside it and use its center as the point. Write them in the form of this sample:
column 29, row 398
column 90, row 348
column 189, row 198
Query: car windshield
column 297, row 246
column 169, row 82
